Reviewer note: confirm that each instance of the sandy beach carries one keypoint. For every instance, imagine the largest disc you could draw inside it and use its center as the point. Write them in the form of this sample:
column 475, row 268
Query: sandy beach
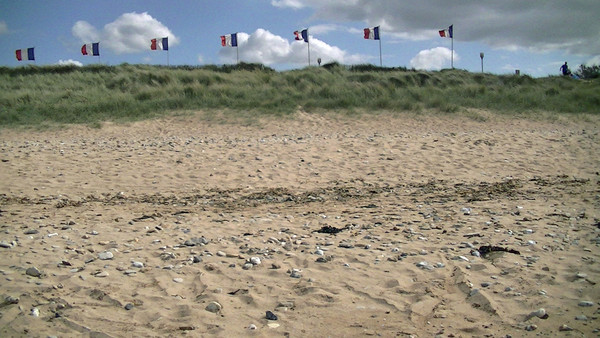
column 309, row 226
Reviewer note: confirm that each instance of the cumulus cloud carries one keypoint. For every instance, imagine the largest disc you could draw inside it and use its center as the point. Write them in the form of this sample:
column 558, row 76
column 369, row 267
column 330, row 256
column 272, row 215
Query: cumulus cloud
column 3, row 27
column 511, row 24
column 129, row 33
column 265, row 47
column 69, row 62
column 433, row 59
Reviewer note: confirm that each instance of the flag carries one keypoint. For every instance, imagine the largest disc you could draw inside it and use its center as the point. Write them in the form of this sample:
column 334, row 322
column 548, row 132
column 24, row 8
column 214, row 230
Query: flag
column 30, row 54
column 372, row 33
column 447, row 33
column 302, row 35
column 159, row 44
column 229, row 40
column 91, row 49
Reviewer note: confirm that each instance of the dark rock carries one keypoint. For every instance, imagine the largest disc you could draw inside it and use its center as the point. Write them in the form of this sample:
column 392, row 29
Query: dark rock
column 271, row 316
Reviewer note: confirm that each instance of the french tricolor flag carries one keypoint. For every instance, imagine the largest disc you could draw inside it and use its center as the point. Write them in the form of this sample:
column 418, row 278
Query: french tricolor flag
column 372, row 33
column 91, row 49
column 302, row 35
column 159, row 44
column 447, row 33
column 19, row 53
column 229, row 40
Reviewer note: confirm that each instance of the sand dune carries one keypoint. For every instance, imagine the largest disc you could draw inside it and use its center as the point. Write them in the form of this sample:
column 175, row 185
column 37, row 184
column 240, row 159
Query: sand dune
column 378, row 226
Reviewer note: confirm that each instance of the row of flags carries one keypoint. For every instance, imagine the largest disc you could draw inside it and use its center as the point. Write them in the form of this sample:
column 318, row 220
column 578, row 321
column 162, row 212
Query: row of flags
column 91, row 49
column 230, row 40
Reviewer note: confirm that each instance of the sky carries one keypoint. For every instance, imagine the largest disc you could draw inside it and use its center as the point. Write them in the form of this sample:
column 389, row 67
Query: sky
column 534, row 36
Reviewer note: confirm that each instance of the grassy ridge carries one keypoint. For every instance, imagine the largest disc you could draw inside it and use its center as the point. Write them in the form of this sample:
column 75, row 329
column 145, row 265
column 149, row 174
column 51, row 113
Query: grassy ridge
column 68, row 94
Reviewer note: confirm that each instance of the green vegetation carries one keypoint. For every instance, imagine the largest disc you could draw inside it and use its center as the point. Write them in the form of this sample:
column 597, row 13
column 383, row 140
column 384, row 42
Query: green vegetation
column 37, row 96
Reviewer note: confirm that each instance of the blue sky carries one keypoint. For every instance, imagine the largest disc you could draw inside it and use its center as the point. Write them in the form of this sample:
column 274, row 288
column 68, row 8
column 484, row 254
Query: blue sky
column 535, row 37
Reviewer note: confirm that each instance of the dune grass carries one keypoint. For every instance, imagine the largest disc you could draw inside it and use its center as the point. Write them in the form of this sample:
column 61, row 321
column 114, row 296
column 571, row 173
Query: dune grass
column 35, row 96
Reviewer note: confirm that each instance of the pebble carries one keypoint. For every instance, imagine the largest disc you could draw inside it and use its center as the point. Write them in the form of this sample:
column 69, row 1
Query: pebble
column 35, row 312
column 197, row 259
column 128, row 306
column 255, row 260
column 101, row 274
column 424, row 265
column 31, row 232
column 295, row 273
column 248, row 266
column 213, row 307
column 581, row 275
column 531, row 327
column 178, row 280
column 466, row 211
column 221, row 254
column 252, row 327
column 564, row 327
column 105, row 255
column 583, row 318
column 586, row 303
column 137, row 264
column 270, row 315
column 540, row 313
column 4, row 244
column 33, row 272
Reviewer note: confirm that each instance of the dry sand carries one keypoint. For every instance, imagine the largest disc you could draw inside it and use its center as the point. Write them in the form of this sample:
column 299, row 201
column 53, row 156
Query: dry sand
column 414, row 199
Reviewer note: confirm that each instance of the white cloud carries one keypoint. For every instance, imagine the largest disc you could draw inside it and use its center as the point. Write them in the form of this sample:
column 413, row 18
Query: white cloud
column 570, row 26
column 3, row 27
column 129, row 33
column 200, row 59
column 433, row 59
column 69, row 62
column 296, row 4
column 267, row 48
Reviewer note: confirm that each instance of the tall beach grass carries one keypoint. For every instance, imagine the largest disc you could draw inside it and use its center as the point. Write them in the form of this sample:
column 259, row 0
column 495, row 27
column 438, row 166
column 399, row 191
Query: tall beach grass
column 34, row 96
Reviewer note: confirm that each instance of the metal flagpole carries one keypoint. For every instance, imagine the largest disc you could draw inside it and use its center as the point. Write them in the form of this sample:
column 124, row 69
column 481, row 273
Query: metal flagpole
column 452, row 56
column 308, row 41
column 237, row 51
column 380, row 59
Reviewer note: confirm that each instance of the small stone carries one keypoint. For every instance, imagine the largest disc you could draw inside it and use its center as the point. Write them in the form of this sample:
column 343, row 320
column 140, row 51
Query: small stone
column 101, row 274
column 31, row 232
column 346, row 245
column 6, row 245
column 247, row 266
column 35, row 312
column 583, row 318
column 105, row 255
column 221, row 254
column 178, row 280
column 197, row 259
column 11, row 300
column 581, row 275
column 296, row 274
column 424, row 265
column 485, row 284
column 540, row 313
column 128, row 306
column 213, row 307
column 33, row 272
column 273, row 325
column 564, row 327
column 252, row 327
column 255, row 260
column 466, row 211
column 586, row 303
column 271, row 316
column 137, row 264
column 531, row 327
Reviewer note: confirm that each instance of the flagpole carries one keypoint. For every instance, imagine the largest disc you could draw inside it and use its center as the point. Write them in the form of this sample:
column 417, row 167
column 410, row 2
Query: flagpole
column 380, row 59
column 308, row 38
column 237, row 51
column 452, row 56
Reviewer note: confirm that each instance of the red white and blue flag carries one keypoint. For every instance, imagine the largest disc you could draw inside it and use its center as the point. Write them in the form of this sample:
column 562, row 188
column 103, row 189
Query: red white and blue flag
column 302, row 35
column 20, row 53
column 447, row 33
column 229, row 40
column 159, row 44
column 372, row 33
column 91, row 49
